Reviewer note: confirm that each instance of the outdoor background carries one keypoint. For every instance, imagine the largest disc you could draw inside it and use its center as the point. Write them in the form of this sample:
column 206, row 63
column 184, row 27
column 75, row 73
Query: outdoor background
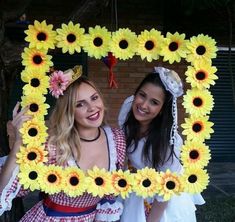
column 192, row 17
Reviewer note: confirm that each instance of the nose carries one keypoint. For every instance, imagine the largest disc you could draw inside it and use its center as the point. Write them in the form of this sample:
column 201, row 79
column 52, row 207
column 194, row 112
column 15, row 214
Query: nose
column 90, row 107
column 144, row 104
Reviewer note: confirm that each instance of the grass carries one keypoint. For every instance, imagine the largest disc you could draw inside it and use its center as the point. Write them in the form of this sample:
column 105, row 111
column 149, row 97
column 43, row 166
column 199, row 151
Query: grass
column 219, row 209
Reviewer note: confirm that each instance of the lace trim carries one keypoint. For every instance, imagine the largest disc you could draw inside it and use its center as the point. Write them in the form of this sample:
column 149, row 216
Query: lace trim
column 6, row 199
column 112, row 148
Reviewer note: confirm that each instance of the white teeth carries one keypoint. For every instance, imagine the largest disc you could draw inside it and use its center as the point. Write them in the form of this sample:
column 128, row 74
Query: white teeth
column 141, row 111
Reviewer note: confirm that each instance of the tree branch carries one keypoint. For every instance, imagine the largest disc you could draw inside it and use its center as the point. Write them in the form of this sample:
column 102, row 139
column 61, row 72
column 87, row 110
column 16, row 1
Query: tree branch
column 86, row 10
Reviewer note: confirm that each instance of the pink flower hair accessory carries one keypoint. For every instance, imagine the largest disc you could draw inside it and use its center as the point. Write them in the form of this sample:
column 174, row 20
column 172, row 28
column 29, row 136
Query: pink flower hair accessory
column 58, row 83
column 59, row 80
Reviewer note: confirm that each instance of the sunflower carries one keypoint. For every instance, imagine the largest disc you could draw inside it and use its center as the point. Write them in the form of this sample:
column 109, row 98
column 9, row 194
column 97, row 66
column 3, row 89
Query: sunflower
column 37, row 106
column 198, row 102
column 50, row 179
column 29, row 175
column 169, row 184
column 121, row 183
column 145, row 182
column 195, row 179
column 99, row 182
column 74, row 181
column 123, row 44
column 195, row 153
column 70, row 38
column 201, row 48
column 149, row 44
column 201, row 75
column 36, row 59
column 174, row 47
column 31, row 154
column 96, row 43
column 37, row 80
column 197, row 128
column 41, row 36
column 34, row 132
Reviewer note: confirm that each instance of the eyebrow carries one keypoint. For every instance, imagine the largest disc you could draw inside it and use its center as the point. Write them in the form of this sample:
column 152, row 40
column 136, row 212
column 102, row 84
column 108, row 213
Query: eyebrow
column 83, row 100
column 157, row 100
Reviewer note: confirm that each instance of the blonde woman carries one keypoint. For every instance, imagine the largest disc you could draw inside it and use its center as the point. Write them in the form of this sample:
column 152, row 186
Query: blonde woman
column 78, row 137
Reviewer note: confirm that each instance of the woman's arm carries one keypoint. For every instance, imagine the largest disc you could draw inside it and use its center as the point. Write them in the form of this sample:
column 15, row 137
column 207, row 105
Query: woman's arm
column 156, row 211
column 18, row 119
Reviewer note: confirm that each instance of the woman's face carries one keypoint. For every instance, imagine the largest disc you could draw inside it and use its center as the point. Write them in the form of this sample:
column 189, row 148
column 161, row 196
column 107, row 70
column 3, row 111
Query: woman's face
column 148, row 103
column 89, row 107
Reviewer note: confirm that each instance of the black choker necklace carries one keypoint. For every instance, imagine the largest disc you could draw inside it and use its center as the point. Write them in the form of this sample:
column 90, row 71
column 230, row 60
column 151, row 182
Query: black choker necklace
column 96, row 138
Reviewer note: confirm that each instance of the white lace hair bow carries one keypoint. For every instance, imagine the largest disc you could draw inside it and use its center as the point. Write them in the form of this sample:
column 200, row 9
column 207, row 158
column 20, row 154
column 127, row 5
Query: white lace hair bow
column 171, row 81
column 173, row 84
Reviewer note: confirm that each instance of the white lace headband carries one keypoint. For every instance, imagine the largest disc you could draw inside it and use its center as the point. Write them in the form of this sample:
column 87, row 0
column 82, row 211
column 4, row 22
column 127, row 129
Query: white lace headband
column 173, row 84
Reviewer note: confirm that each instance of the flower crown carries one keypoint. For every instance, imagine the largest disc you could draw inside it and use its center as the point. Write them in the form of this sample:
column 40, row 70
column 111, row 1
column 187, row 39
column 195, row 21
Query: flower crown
column 170, row 80
column 60, row 81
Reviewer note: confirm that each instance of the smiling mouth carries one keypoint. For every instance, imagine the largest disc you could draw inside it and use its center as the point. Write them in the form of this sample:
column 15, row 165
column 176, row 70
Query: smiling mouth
column 94, row 116
column 141, row 111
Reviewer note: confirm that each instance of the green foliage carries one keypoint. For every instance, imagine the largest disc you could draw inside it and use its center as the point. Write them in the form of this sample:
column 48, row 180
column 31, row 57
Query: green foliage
column 219, row 209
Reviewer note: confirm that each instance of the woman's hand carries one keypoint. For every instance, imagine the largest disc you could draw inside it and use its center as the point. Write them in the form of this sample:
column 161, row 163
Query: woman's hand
column 18, row 118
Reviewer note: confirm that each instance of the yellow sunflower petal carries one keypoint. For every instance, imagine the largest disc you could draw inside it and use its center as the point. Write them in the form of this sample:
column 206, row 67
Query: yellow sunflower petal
column 198, row 102
column 121, row 183
column 41, row 36
column 37, row 81
column 37, row 106
column 50, row 179
column 201, row 75
column 96, row 42
column 197, row 128
column 34, row 132
column 99, row 182
column 36, row 59
column 74, row 181
column 146, row 182
column 123, row 44
column 195, row 153
column 195, row 179
column 169, row 184
column 149, row 44
column 201, row 48
column 29, row 175
column 174, row 47
column 70, row 37
column 31, row 154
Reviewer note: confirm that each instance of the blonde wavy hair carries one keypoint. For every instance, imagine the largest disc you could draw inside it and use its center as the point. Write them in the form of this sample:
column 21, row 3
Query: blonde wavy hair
column 62, row 126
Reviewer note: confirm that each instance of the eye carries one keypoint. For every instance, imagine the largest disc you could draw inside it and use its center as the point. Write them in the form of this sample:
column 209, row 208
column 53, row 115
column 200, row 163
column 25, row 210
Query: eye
column 80, row 104
column 155, row 103
column 95, row 97
column 141, row 94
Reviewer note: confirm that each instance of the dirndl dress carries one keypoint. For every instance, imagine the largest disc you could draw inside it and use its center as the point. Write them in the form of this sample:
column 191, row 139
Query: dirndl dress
column 61, row 207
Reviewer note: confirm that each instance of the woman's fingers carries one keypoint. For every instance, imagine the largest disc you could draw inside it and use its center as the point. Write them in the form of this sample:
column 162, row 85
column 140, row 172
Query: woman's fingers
column 19, row 121
column 22, row 112
column 15, row 110
column 19, row 117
